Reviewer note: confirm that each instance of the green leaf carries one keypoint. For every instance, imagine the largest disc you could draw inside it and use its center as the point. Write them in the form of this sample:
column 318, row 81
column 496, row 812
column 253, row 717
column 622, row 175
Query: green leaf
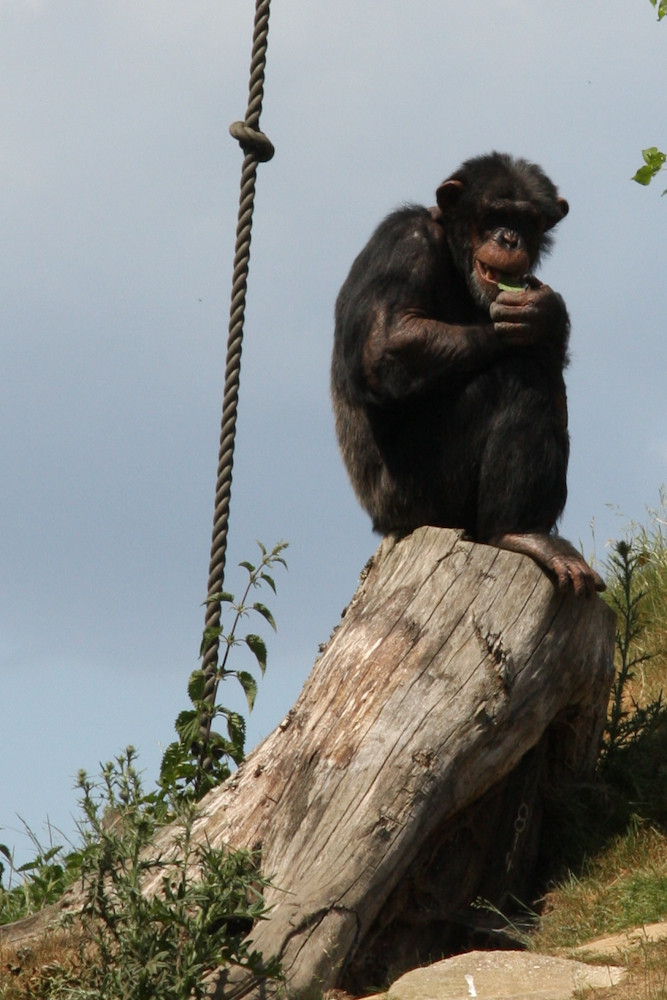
column 256, row 645
column 265, row 613
column 236, row 730
column 644, row 176
column 654, row 158
column 187, row 725
column 51, row 853
column 249, row 685
column 7, row 853
column 222, row 596
column 268, row 579
column 249, row 566
column 209, row 638
column 176, row 764
column 654, row 161
column 30, row 865
column 197, row 685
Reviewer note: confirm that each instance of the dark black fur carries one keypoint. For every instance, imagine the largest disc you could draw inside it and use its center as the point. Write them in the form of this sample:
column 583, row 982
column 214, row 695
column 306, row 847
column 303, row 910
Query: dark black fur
column 455, row 425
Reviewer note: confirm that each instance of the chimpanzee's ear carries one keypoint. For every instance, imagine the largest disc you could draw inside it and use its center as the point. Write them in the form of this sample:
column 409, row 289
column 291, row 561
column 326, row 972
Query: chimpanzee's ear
column 448, row 194
column 563, row 209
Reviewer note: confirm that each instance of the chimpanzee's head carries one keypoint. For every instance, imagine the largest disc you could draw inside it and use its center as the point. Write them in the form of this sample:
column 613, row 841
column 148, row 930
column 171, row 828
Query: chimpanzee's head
column 497, row 213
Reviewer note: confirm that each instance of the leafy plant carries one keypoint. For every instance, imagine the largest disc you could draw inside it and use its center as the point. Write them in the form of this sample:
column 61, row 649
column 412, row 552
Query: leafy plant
column 654, row 161
column 212, row 911
column 626, row 596
column 633, row 763
column 183, row 776
column 161, row 944
column 201, row 758
column 38, row 882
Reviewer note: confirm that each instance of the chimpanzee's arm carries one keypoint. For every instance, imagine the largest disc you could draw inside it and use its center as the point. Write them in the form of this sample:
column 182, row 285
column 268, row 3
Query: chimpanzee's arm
column 393, row 337
column 402, row 357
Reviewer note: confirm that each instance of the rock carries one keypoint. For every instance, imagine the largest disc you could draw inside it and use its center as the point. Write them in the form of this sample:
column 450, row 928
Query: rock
column 502, row 975
column 615, row 944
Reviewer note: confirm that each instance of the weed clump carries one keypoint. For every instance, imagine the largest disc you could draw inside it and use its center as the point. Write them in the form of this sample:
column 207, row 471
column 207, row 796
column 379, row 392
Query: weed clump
column 614, row 848
column 145, row 925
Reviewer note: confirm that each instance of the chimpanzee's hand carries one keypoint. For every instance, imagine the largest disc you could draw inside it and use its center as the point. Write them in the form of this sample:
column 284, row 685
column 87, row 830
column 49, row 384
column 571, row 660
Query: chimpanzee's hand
column 530, row 316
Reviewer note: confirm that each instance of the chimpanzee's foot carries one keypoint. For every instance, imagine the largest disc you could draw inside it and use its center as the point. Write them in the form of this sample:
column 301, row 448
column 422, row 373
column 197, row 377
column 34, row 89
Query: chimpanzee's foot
column 557, row 556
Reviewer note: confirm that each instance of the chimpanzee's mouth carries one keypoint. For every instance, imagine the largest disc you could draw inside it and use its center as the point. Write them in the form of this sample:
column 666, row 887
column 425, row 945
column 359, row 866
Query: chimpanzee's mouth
column 495, row 276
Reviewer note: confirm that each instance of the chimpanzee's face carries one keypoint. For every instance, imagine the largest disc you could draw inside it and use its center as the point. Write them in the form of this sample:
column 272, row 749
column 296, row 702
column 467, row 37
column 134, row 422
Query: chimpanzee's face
column 505, row 243
column 497, row 215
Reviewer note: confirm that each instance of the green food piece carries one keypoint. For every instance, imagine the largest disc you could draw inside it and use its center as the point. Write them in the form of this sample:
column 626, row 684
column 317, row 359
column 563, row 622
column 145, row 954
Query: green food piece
column 507, row 285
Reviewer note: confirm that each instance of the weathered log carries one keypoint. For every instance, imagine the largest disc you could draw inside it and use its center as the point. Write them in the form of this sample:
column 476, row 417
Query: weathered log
column 406, row 780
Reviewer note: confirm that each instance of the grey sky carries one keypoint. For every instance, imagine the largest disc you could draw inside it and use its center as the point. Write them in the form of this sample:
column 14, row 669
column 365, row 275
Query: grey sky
column 118, row 194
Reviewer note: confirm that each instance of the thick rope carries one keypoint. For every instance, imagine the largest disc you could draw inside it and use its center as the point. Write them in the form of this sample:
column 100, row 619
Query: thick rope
column 257, row 149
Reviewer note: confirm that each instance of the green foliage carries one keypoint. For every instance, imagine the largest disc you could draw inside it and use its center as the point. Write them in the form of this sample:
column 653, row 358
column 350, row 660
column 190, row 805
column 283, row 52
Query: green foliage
column 623, row 885
column 654, row 161
column 40, row 881
column 661, row 7
column 161, row 944
column 626, row 595
column 183, row 775
column 633, row 763
column 611, row 834
column 136, row 945
column 631, row 781
column 202, row 758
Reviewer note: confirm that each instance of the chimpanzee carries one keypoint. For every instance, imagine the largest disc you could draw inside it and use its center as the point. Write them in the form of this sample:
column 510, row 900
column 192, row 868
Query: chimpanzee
column 447, row 371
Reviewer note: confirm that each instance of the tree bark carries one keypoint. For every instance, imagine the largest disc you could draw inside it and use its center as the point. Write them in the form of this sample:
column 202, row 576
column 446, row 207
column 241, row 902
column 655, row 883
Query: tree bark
column 406, row 781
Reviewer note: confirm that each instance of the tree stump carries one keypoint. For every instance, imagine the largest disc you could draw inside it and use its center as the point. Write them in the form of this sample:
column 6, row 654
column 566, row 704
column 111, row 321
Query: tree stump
column 406, row 782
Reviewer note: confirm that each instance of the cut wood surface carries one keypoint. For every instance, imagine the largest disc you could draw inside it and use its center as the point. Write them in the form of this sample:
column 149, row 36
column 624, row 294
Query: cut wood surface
column 406, row 780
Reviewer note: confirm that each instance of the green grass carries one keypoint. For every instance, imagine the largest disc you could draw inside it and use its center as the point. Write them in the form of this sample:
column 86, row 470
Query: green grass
column 620, row 824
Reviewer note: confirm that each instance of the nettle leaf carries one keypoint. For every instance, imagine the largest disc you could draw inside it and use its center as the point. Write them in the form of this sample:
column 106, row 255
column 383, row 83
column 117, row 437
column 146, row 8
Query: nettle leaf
column 222, row 596
column 236, row 731
column 265, row 613
column 249, row 566
column 256, row 645
column 51, row 853
column 197, row 685
column 30, row 865
column 268, row 579
column 177, row 765
column 210, row 636
column 187, row 725
column 249, row 685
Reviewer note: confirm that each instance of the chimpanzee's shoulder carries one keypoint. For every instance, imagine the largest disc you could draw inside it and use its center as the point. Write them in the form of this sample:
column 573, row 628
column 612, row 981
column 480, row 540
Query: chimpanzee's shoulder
column 414, row 227
column 406, row 219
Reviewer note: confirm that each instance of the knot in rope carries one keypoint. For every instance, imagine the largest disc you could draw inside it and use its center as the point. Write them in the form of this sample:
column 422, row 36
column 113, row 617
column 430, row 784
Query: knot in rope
column 252, row 141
